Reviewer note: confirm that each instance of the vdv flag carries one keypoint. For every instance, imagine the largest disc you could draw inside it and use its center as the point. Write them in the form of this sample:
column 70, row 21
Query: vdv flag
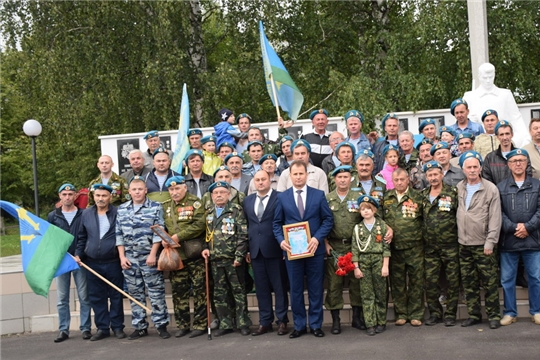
column 182, row 141
column 44, row 249
column 288, row 95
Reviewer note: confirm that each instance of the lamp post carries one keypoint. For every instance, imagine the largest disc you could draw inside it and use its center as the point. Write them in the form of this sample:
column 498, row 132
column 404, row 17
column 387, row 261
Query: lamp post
column 32, row 129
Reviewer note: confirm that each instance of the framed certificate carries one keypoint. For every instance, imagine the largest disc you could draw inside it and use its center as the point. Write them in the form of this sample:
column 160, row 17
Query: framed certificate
column 160, row 231
column 297, row 236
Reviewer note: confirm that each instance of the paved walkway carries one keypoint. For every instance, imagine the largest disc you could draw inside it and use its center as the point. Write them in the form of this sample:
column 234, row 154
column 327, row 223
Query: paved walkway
column 10, row 264
column 518, row 341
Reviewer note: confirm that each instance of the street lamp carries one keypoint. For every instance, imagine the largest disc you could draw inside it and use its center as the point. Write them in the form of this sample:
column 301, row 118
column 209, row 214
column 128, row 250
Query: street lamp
column 32, row 128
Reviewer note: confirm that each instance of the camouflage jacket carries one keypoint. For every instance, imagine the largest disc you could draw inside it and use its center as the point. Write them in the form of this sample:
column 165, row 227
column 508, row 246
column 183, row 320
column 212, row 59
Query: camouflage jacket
column 236, row 197
column 417, row 177
column 440, row 223
column 120, row 192
column 408, row 165
column 405, row 217
column 227, row 234
column 378, row 188
column 346, row 214
column 332, row 180
column 185, row 219
column 133, row 227
column 376, row 244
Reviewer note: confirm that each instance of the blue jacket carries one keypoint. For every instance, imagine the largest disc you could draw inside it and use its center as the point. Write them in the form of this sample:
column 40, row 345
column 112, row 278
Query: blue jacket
column 89, row 245
column 260, row 233
column 222, row 133
column 57, row 218
column 520, row 205
column 152, row 183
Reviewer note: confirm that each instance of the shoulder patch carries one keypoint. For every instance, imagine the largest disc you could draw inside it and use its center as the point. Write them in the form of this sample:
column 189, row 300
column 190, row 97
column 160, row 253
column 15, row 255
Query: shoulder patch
column 196, row 204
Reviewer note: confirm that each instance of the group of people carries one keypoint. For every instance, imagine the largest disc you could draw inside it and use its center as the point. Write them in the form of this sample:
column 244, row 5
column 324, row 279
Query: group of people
column 445, row 216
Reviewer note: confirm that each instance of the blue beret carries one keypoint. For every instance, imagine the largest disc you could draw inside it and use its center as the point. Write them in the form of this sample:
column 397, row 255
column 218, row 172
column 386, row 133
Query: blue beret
column 222, row 167
column 217, row 184
column 192, row 132
column 224, row 114
column 425, row 141
column 285, row 138
column 151, row 134
column 345, row 143
column 438, row 146
column 267, row 157
column 208, row 138
column 466, row 135
column 455, row 103
column 368, row 199
column 389, row 116
column 341, row 169
column 367, row 153
column 175, row 180
column 137, row 177
column 448, row 130
column 68, row 187
column 389, row 147
column 300, row 142
column 431, row 165
column 489, row 112
column 517, row 152
column 159, row 150
column 194, row 152
column 231, row 155
column 254, row 127
column 102, row 187
column 425, row 123
column 255, row 142
column 354, row 113
column 243, row 115
column 502, row 123
column 227, row 144
column 315, row 112
column 470, row 154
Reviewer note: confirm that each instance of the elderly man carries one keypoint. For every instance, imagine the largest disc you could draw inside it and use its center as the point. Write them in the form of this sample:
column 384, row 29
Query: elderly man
column 416, row 174
column 409, row 155
column 479, row 224
column 354, row 120
column 465, row 142
column 403, row 211
column 194, row 137
column 138, row 246
column 136, row 161
column 390, row 124
column 156, row 179
column 520, row 202
column 240, row 181
column 197, row 182
column 228, row 241
column 487, row 142
column 316, row 177
column 319, row 138
column 68, row 218
column 97, row 247
column 495, row 167
column 331, row 161
column 110, row 178
column 441, row 154
column 441, row 244
column 297, row 204
column 185, row 221
column 460, row 110
column 534, row 146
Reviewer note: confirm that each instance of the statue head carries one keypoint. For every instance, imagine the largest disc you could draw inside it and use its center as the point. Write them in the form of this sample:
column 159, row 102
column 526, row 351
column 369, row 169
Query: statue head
column 486, row 74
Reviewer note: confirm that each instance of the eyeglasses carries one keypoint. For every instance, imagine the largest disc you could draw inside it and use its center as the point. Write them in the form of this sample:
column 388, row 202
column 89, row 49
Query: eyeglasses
column 517, row 161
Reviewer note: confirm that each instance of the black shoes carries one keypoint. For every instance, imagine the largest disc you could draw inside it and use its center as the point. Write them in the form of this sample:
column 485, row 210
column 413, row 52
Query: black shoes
column 62, row 336
column 336, row 325
column 138, row 334
column 358, row 318
column 449, row 322
column 163, row 333
column 99, row 335
column 120, row 334
column 245, row 331
column 182, row 332
column 317, row 332
column 494, row 324
column 222, row 332
column 297, row 333
column 470, row 322
column 196, row 333
column 433, row 320
column 371, row 331
column 380, row 329
column 86, row 335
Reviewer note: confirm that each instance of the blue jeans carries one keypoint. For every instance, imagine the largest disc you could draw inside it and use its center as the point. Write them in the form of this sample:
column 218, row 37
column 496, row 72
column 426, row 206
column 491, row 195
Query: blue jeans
column 509, row 265
column 63, row 283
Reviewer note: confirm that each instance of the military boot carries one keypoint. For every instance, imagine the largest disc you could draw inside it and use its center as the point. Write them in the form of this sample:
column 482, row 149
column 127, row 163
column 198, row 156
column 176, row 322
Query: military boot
column 358, row 318
column 336, row 326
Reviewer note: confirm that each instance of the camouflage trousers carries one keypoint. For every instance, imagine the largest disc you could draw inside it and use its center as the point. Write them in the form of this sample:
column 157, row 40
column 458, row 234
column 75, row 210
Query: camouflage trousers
column 447, row 258
column 185, row 282
column 374, row 289
column 226, row 280
column 408, row 297
column 138, row 278
column 476, row 267
column 334, row 293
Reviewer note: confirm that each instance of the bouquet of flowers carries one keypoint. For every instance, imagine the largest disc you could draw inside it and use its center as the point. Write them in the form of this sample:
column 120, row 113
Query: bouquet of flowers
column 343, row 262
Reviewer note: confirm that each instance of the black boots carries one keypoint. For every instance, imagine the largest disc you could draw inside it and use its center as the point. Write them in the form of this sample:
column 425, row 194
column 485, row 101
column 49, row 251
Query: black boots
column 336, row 326
column 358, row 318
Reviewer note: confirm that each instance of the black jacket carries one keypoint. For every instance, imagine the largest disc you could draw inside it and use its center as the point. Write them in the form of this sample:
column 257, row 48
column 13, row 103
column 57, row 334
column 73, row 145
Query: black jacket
column 89, row 244
column 520, row 205
column 204, row 183
column 57, row 218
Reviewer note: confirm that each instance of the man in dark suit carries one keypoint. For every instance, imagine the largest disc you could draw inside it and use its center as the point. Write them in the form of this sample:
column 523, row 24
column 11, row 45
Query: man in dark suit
column 266, row 256
column 297, row 204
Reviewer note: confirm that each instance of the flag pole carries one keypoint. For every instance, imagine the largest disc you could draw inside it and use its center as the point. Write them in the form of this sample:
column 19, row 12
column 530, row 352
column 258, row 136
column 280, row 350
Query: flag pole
column 276, row 101
column 113, row 286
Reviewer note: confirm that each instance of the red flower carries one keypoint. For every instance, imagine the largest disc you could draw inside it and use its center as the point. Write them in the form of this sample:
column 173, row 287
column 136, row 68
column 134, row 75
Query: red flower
column 344, row 263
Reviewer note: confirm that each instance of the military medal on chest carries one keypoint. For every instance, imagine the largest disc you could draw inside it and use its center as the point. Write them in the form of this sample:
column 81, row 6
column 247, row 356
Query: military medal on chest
column 185, row 213
column 409, row 208
column 445, row 203
column 352, row 206
column 227, row 226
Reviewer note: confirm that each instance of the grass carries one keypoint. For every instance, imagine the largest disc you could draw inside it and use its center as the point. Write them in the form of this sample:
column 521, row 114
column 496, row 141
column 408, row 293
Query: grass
column 10, row 244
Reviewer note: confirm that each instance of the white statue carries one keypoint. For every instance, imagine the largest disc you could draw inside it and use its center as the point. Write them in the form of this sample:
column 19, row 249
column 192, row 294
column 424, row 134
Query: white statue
column 488, row 96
